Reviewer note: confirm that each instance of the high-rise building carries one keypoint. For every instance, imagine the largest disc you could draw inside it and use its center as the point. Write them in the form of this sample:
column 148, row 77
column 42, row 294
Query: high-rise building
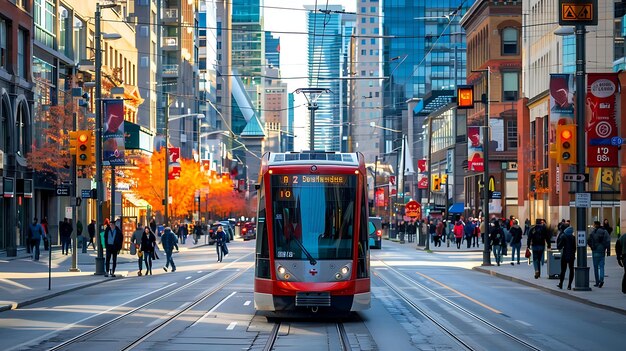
column 366, row 86
column 207, row 66
column 178, row 83
column 272, row 49
column 325, row 45
column 424, row 57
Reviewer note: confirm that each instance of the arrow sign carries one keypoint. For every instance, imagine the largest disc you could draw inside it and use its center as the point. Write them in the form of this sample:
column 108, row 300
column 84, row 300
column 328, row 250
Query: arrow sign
column 573, row 12
column 574, row 177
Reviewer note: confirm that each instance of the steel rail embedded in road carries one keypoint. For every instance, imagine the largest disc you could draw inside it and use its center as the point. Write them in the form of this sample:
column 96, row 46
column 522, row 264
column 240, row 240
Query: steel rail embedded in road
column 102, row 326
column 441, row 297
column 269, row 345
column 173, row 317
column 345, row 342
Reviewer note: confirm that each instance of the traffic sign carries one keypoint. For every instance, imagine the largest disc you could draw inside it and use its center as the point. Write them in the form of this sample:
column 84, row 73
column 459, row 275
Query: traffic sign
column 63, row 190
column 85, row 193
column 617, row 141
column 574, row 177
column 583, row 200
column 574, row 12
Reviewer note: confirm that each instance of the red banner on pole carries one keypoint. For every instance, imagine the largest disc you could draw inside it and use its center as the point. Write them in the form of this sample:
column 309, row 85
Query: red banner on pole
column 174, row 170
column 601, row 125
column 422, row 175
column 475, row 156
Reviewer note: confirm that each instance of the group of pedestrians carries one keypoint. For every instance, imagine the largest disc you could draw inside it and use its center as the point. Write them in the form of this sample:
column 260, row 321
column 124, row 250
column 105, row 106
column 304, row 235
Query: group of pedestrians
column 144, row 245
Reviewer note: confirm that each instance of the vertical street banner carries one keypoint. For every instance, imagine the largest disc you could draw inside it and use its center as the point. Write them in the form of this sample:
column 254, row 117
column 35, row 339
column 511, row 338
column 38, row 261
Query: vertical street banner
column 174, row 170
column 475, row 155
column 601, row 125
column 392, row 185
column 562, row 90
column 422, row 174
column 380, row 197
column 113, row 132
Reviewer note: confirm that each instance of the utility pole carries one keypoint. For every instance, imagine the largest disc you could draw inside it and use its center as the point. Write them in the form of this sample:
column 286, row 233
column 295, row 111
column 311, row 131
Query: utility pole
column 486, row 248
column 581, row 271
column 311, row 95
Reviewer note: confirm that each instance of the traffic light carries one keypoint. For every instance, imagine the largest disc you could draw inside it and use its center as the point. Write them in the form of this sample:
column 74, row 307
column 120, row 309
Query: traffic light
column 566, row 144
column 83, row 148
column 73, row 136
column 436, row 182
column 465, row 96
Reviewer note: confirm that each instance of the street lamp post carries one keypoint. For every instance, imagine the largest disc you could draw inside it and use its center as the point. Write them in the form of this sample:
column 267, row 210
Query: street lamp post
column 98, row 134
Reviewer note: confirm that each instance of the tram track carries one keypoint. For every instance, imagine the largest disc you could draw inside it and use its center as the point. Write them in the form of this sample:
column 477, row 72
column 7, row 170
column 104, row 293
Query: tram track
column 344, row 341
column 430, row 316
column 206, row 294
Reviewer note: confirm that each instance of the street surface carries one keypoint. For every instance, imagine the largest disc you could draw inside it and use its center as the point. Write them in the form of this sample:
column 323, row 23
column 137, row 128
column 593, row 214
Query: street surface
column 420, row 301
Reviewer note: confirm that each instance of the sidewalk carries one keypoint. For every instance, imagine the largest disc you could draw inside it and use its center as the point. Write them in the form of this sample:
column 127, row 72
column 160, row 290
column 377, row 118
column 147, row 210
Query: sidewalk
column 609, row 297
column 24, row 281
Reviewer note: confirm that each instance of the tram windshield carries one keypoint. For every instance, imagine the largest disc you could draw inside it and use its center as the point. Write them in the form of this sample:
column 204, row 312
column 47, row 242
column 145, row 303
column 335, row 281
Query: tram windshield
column 313, row 216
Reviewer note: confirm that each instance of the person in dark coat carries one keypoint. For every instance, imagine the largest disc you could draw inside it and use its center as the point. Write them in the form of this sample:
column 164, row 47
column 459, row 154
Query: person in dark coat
column 607, row 226
column 65, row 233
column 220, row 241
column 113, row 239
column 169, row 242
column 91, row 229
column 148, row 241
column 620, row 251
column 496, row 240
column 36, row 233
column 135, row 246
column 153, row 226
column 538, row 238
column 567, row 244
column 600, row 243
column 516, row 242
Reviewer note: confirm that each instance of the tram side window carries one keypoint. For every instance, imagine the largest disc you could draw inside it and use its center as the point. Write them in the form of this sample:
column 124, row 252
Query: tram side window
column 262, row 245
column 362, row 270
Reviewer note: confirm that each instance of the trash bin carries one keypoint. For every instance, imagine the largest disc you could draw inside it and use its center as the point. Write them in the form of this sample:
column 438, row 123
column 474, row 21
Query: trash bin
column 554, row 264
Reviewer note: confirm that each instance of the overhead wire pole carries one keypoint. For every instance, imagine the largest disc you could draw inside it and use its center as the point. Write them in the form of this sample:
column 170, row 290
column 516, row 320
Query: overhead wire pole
column 311, row 95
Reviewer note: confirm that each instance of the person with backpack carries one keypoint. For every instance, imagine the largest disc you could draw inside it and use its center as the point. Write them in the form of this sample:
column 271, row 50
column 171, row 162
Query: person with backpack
column 458, row 233
column 496, row 239
column 516, row 242
column 36, row 232
column 537, row 240
column 567, row 244
column 600, row 243
column 169, row 242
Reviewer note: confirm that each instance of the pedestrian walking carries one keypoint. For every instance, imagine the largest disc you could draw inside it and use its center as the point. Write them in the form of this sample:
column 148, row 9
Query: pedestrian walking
column 567, row 244
column 600, row 243
column 44, row 225
column 620, row 251
column 458, row 233
column 432, row 231
column 148, row 242
column 483, row 230
column 91, row 229
column 65, row 234
column 182, row 233
column 135, row 247
column 496, row 240
column 36, row 232
column 169, row 242
column 439, row 233
column 537, row 240
column 220, row 243
column 607, row 226
column 516, row 242
column 197, row 232
column 526, row 226
column 113, row 239
column 468, row 232
column 153, row 226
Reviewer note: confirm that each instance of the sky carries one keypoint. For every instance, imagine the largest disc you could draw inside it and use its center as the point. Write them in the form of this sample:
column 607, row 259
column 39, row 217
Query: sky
column 289, row 17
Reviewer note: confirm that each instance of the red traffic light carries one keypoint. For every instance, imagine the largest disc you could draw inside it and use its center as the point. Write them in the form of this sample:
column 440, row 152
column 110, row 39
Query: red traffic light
column 83, row 137
column 566, row 134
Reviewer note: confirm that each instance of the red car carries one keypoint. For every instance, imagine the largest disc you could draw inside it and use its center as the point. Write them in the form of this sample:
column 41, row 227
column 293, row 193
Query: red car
column 248, row 231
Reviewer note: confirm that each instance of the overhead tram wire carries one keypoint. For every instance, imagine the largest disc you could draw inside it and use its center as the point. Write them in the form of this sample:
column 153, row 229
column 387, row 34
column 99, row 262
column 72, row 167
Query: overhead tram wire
column 319, row 63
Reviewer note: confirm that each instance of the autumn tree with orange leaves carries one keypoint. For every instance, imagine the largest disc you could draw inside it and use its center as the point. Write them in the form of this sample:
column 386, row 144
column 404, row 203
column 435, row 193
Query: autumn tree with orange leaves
column 149, row 183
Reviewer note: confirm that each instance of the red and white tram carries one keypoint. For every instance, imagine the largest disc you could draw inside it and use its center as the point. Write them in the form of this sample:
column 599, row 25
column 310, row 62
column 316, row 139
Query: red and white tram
column 312, row 248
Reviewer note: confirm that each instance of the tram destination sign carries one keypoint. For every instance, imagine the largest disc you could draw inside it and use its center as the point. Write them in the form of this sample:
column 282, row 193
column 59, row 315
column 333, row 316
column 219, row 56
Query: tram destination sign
column 313, row 179
column 578, row 12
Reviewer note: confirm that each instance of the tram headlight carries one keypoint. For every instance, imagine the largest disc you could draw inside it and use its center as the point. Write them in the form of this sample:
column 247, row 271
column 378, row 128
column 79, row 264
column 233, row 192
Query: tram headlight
column 345, row 270
column 338, row 276
column 281, row 270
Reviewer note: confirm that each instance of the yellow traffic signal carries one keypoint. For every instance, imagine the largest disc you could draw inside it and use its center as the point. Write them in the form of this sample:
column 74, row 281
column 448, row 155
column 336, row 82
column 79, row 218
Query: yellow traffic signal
column 566, row 144
column 465, row 96
column 83, row 148
column 73, row 136
column 436, row 183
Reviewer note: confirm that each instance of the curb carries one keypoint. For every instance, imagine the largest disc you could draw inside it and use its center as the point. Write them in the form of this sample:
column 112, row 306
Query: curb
column 46, row 297
column 551, row 291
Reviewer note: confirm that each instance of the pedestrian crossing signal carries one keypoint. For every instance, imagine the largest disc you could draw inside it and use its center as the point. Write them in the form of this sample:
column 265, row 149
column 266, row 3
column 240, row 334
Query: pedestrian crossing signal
column 465, row 96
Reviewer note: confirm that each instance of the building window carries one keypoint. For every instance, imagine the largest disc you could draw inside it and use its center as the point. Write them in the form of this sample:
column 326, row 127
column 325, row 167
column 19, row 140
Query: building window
column 21, row 53
column 509, row 41
column 363, row 52
column 510, row 86
column 373, row 41
column 363, row 20
column 372, row 19
column 3, row 43
column 511, row 134
column 44, row 18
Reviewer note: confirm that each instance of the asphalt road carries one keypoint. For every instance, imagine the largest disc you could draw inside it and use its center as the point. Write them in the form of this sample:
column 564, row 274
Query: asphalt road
column 420, row 301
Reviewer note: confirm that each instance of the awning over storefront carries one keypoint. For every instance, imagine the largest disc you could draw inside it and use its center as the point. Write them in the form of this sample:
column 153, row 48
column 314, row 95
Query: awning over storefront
column 137, row 202
column 458, row 207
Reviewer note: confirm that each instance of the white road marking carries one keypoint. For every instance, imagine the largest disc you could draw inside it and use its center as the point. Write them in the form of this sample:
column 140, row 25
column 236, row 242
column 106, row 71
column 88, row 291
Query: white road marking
column 523, row 323
column 247, row 303
column 69, row 326
column 214, row 308
column 199, row 271
column 189, row 277
column 231, row 326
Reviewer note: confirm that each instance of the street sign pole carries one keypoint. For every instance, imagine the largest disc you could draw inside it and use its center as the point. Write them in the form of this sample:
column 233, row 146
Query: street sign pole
column 581, row 271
